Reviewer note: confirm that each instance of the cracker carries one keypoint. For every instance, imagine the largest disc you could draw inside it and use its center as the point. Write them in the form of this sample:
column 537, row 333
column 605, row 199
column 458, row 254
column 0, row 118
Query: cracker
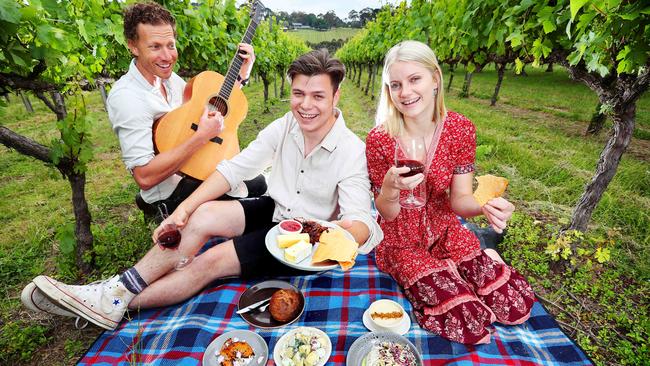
column 334, row 245
column 489, row 187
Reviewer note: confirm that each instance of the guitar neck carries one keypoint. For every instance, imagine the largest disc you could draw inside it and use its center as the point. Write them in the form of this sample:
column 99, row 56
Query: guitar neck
column 235, row 64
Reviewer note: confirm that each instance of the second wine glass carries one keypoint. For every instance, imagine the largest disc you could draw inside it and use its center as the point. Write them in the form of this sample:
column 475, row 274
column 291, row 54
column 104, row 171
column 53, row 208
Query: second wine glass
column 411, row 152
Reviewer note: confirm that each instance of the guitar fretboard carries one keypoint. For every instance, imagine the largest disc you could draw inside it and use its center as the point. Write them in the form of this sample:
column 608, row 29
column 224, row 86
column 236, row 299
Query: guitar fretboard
column 235, row 64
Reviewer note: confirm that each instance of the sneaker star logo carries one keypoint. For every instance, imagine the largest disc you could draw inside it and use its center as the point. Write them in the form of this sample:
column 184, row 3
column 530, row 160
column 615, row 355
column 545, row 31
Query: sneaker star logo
column 116, row 301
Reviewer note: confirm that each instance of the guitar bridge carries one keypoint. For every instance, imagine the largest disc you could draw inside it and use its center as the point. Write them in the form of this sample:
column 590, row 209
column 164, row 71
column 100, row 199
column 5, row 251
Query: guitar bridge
column 216, row 139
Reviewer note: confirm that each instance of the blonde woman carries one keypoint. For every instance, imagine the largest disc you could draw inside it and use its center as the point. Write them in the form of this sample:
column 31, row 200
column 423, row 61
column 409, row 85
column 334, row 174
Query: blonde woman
column 456, row 289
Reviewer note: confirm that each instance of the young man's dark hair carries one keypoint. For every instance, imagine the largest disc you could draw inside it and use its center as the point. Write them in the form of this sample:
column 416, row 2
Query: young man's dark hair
column 145, row 13
column 318, row 62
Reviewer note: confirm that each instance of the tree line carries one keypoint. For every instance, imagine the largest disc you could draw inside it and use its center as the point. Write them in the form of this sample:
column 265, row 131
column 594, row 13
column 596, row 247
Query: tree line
column 355, row 19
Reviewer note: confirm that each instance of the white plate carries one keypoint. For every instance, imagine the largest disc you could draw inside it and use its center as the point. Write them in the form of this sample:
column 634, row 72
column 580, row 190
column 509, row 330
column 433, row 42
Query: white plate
column 282, row 342
column 253, row 339
column 363, row 345
column 305, row 264
column 400, row 328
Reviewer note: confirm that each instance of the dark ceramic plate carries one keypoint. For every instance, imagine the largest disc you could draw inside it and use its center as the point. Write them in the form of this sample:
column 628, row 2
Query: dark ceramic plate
column 260, row 292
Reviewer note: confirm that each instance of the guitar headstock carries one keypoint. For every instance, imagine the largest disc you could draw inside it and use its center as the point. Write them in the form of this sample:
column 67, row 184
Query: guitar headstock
column 257, row 11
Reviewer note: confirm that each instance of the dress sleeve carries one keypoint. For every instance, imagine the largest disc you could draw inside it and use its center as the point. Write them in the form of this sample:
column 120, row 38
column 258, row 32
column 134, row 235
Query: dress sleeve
column 379, row 159
column 466, row 146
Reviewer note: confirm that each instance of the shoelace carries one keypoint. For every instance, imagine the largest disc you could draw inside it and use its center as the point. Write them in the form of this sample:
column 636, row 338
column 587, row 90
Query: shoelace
column 76, row 323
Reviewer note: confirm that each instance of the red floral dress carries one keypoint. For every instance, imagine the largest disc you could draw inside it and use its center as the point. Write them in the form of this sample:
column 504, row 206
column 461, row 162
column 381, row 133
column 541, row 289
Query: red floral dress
column 455, row 288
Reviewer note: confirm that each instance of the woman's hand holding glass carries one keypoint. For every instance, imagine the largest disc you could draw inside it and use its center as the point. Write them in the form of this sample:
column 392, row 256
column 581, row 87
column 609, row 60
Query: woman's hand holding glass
column 498, row 211
column 394, row 182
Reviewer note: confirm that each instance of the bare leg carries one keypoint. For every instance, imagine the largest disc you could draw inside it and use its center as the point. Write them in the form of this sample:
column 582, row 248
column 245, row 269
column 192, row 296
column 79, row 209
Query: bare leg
column 214, row 218
column 216, row 262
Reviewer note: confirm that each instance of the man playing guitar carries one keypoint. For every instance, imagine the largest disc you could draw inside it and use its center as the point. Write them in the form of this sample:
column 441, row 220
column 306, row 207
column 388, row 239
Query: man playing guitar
column 146, row 92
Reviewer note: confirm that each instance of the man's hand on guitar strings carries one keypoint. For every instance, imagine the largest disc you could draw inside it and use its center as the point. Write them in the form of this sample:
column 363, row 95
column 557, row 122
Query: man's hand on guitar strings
column 247, row 54
column 210, row 124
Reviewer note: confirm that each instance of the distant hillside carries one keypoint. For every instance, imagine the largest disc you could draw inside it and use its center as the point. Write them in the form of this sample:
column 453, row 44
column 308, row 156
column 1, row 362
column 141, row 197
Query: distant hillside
column 314, row 36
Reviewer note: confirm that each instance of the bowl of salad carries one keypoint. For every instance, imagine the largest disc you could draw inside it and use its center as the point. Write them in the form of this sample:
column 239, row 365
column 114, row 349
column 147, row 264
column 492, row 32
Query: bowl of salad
column 383, row 349
column 303, row 346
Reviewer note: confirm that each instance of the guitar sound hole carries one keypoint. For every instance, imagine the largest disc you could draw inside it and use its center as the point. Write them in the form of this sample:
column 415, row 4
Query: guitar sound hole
column 218, row 104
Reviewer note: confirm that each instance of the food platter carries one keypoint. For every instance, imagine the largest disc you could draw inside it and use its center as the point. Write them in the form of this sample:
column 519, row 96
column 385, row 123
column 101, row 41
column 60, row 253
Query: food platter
column 365, row 344
column 261, row 291
column 305, row 264
column 210, row 356
column 289, row 338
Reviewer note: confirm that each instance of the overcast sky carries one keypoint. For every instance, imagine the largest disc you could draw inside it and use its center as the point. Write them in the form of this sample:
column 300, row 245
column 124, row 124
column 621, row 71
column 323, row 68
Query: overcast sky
column 340, row 7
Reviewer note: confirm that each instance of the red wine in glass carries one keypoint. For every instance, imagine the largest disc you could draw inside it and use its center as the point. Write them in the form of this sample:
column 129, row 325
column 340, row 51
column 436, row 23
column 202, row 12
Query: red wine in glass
column 170, row 239
column 415, row 166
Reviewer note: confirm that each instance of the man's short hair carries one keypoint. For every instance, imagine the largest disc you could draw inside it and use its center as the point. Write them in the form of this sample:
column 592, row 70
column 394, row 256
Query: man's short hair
column 318, row 62
column 145, row 13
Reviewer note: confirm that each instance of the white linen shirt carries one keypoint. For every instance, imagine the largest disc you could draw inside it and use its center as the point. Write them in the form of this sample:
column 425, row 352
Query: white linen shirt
column 331, row 183
column 133, row 105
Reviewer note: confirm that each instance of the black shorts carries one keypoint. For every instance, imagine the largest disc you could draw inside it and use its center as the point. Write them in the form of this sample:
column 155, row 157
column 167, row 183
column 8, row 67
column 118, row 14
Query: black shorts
column 256, row 187
column 255, row 259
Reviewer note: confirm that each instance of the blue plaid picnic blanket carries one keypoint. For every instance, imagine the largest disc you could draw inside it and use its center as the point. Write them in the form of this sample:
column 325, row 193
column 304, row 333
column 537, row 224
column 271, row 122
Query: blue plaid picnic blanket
column 334, row 302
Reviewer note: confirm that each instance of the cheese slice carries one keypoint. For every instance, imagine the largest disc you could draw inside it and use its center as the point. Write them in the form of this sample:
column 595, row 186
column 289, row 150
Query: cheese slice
column 334, row 245
column 287, row 240
column 297, row 252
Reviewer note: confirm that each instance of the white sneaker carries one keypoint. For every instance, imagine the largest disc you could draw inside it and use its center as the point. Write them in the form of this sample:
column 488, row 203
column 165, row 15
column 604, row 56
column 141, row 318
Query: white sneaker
column 35, row 300
column 102, row 303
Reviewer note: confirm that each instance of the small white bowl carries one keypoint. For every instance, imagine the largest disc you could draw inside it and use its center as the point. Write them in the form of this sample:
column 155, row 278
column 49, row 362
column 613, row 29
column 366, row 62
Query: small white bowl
column 295, row 230
column 386, row 306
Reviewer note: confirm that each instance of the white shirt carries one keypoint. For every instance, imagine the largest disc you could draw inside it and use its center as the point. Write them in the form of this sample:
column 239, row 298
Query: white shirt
column 331, row 183
column 133, row 106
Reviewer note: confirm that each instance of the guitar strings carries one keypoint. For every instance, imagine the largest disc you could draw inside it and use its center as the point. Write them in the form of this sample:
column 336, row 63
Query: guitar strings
column 220, row 103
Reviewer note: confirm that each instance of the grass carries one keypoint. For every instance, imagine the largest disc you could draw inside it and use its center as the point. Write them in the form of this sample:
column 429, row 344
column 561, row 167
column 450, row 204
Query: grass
column 315, row 36
column 536, row 141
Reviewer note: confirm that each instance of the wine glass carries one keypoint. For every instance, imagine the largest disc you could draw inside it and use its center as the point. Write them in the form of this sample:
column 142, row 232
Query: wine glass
column 170, row 238
column 411, row 152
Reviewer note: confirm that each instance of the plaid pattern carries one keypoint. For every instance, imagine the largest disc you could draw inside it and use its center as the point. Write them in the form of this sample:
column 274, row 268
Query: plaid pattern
column 335, row 302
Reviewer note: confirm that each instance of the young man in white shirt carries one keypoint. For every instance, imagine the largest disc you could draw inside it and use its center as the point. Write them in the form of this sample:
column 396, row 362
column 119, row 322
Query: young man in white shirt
column 145, row 93
column 318, row 171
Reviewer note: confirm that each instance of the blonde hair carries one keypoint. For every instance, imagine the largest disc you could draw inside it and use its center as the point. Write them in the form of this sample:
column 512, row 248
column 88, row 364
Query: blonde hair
column 388, row 116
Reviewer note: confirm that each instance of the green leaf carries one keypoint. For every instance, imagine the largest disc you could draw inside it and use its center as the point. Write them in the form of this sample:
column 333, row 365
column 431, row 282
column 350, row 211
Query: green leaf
column 602, row 255
column 518, row 65
column 575, row 7
column 52, row 36
column 67, row 241
column 81, row 24
column 630, row 16
column 515, row 39
column 10, row 11
column 549, row 26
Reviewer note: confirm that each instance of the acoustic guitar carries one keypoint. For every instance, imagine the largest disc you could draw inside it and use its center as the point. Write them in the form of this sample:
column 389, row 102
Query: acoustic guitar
column 217, row 92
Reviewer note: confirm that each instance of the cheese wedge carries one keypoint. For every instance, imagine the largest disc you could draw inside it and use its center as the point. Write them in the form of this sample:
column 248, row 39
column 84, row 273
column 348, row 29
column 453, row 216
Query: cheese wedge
column 297, row 252
column 287, row 240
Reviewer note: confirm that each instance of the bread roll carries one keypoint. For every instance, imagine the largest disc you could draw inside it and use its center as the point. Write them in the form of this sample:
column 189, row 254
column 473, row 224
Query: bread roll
column 284, row 304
